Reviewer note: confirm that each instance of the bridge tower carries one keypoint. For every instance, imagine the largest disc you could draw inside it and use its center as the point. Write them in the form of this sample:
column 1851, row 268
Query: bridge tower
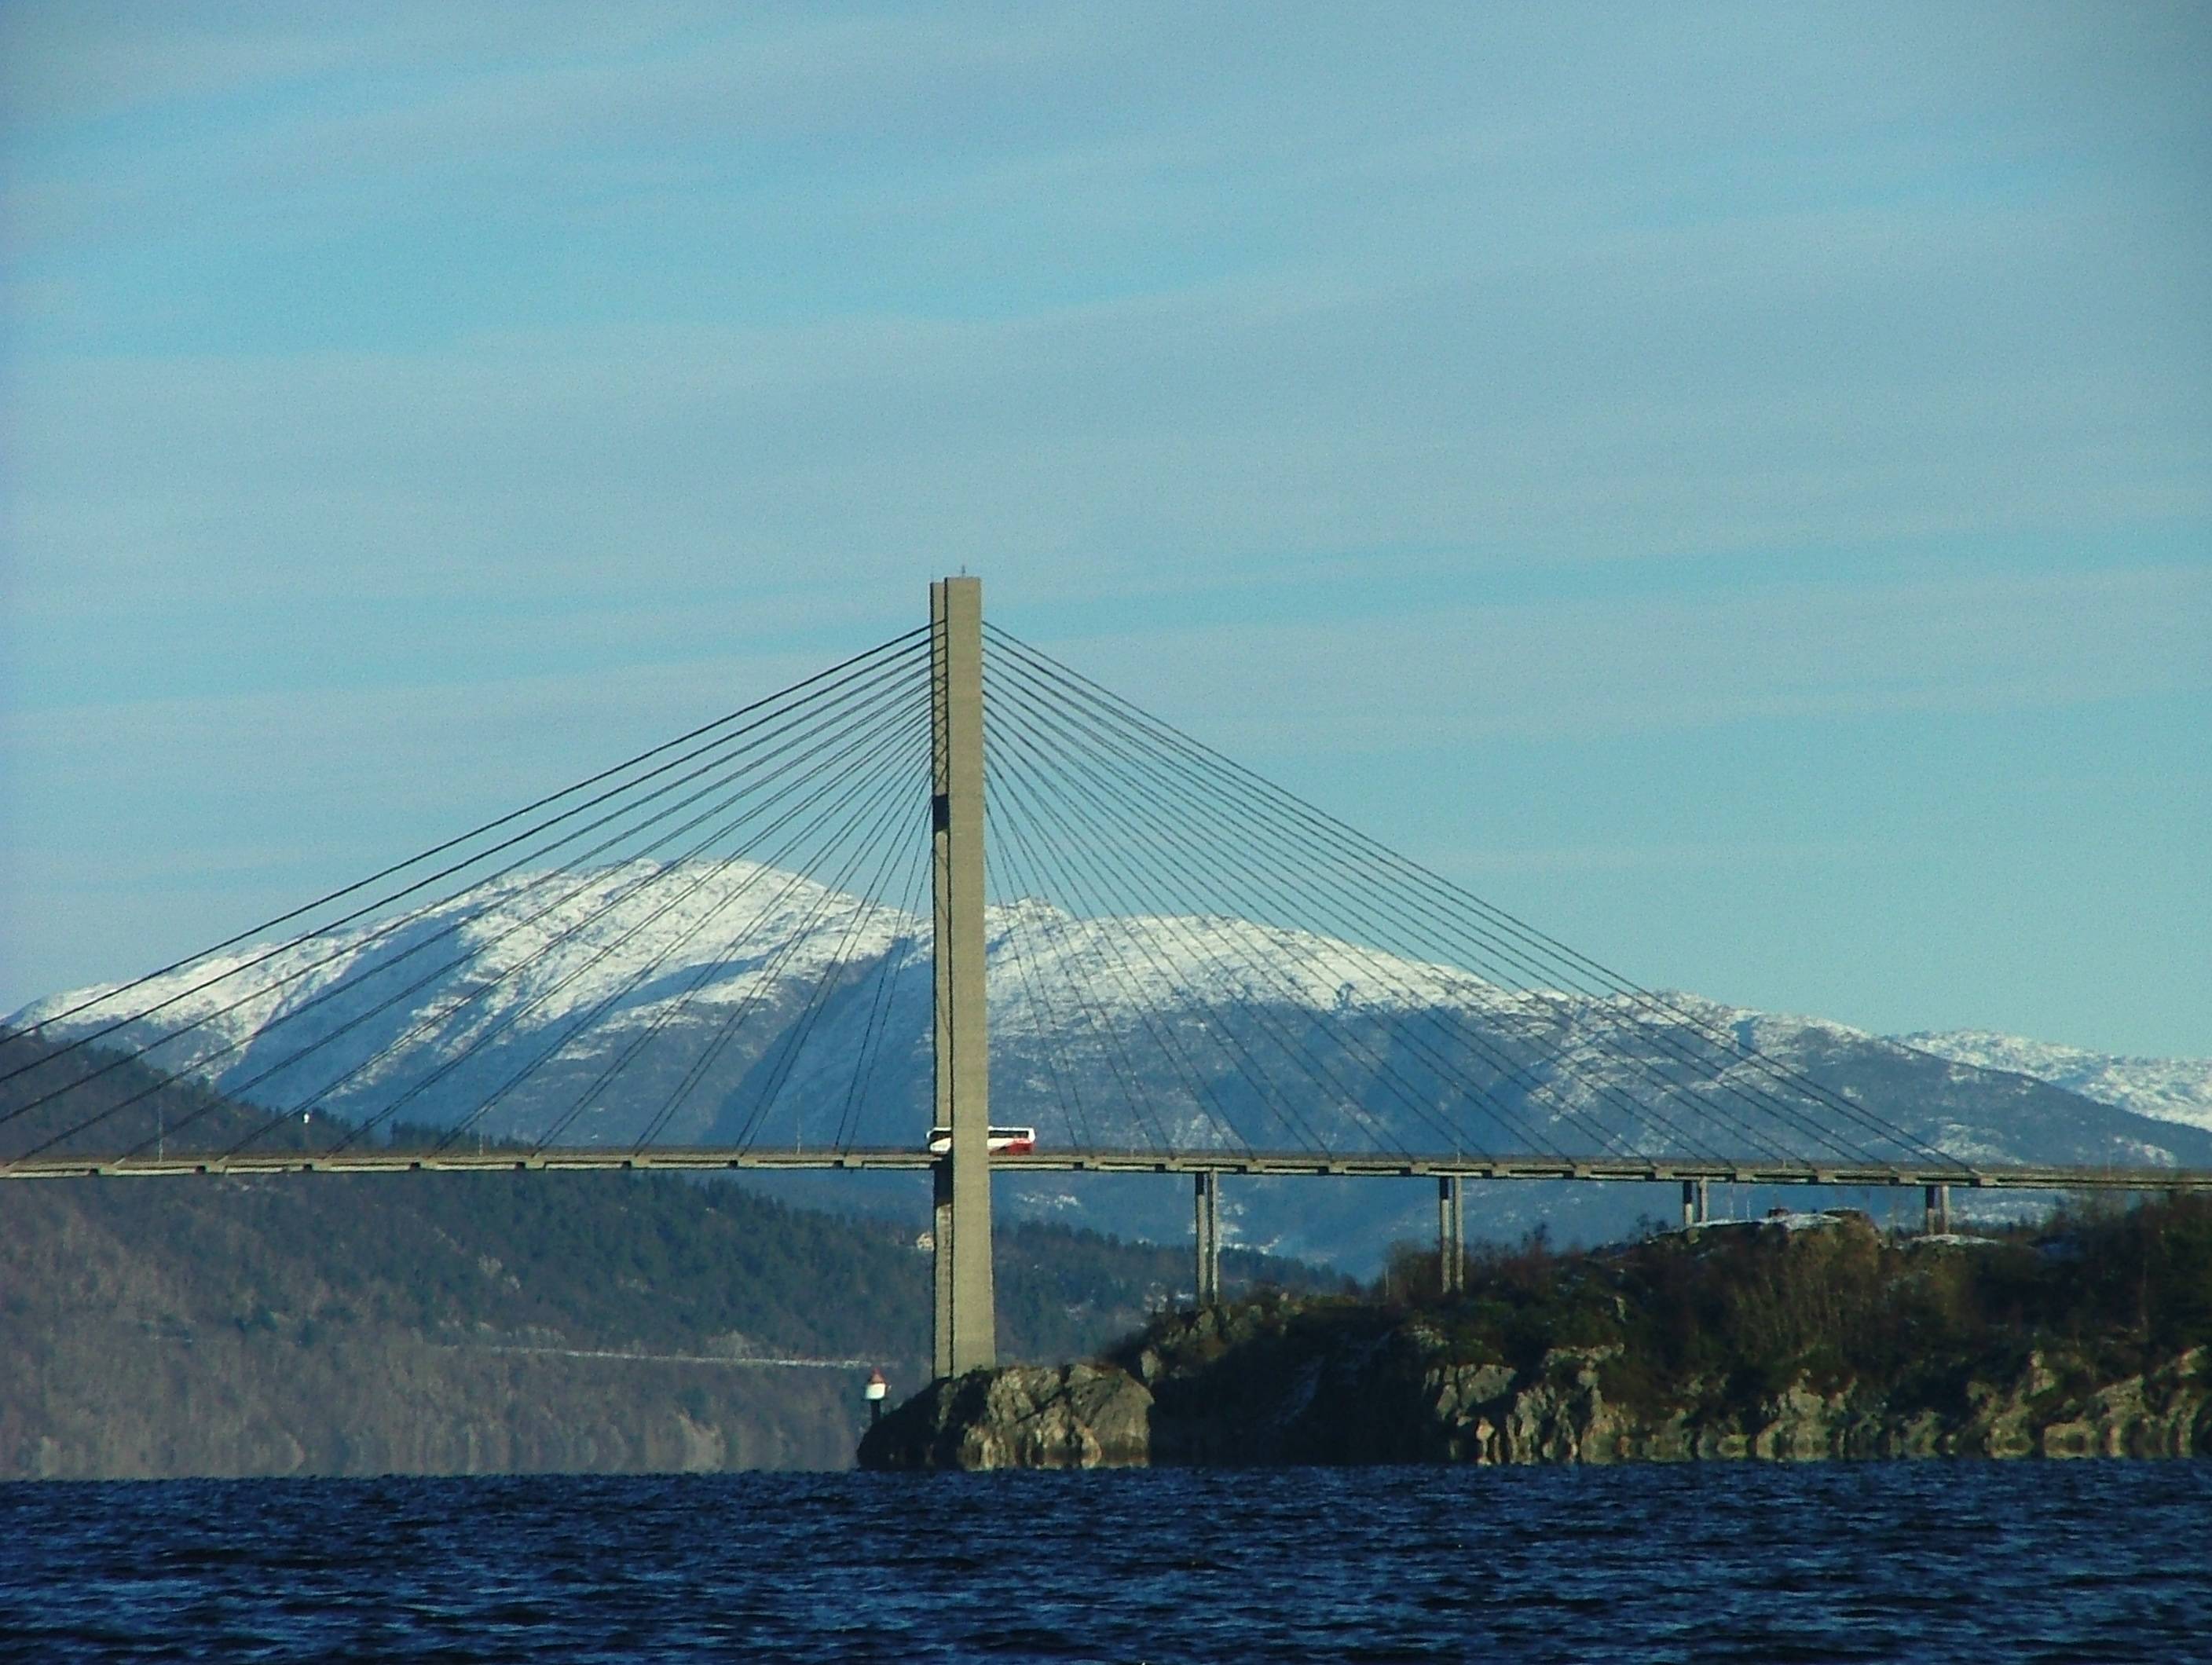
column 966, row 1322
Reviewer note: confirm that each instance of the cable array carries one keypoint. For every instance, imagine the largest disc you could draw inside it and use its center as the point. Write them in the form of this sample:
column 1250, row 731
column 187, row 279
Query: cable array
column 614, row 963
column 1245, row 971
column 726, row 940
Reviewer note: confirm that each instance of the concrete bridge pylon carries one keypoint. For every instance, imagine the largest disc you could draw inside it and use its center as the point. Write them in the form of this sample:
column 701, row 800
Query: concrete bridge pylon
column 966, row 1322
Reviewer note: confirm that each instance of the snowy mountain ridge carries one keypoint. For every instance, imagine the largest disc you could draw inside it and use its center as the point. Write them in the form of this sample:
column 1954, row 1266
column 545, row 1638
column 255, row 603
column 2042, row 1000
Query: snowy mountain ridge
column 2164, row 1088
column 1135, row 1030
column 730, row 1002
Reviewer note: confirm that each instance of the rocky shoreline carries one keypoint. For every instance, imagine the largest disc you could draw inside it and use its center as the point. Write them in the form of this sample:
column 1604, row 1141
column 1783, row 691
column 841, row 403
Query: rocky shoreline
column 1670, row 1351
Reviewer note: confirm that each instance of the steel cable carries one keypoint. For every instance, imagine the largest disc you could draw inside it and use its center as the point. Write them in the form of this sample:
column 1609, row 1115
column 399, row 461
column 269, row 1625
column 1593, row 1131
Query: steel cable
column 1159, row 821
column 1317, row 1073
column 863, row 723
column 906, row 638
column 1480, row 918
column 1210, row 858
column 390, row 928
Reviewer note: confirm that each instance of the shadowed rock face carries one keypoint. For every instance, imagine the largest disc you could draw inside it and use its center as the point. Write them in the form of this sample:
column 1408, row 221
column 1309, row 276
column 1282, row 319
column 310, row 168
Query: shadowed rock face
column 1558, row 1412
column 1077, row 1416
column 1379, row 1402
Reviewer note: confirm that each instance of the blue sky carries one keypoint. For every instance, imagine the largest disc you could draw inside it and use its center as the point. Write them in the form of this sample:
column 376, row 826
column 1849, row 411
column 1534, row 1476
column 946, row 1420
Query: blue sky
column 1732, row 484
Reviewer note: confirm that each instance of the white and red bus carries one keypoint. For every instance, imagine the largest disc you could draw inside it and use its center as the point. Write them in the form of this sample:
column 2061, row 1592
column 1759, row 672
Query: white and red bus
column 1014, row 1140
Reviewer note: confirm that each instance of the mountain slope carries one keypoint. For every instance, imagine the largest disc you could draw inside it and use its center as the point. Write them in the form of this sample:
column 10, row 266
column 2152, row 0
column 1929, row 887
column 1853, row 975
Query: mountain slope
column 727, row 1002
column 2163, row 1088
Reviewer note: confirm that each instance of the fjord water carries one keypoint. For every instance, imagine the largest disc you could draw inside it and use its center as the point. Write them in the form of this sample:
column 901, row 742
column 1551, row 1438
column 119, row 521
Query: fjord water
column 1874, row 1561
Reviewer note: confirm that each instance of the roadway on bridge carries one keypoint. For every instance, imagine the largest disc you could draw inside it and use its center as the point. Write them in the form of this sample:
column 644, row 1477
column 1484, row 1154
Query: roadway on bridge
column 712, row 1158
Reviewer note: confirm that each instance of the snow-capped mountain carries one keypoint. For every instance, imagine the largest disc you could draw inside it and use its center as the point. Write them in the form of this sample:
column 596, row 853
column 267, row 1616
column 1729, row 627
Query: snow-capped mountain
column 729, row 1002
column 428, row 1016
column 2164, row 1088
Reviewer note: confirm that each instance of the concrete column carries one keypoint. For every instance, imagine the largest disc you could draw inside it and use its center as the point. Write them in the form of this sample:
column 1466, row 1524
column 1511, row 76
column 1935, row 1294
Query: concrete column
column 1206, row 1234
column 1697, row 1201
column 966, row 1314
column 1937, row 1210
column 1459, row 1233
column 1451, row 1235
column 940, row 1179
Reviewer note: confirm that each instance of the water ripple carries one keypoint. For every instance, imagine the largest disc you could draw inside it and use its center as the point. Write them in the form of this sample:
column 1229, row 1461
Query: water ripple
column 1829, row 1562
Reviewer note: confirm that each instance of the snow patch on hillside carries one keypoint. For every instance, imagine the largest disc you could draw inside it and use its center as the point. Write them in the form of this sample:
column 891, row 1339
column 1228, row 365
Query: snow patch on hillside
column 2165, row 1088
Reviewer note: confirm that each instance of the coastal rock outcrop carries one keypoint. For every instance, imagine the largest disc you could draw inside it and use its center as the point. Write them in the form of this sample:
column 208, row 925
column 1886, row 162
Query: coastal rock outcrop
column 1765, row 1342
column 1360, row 1405
column 1076, row 1416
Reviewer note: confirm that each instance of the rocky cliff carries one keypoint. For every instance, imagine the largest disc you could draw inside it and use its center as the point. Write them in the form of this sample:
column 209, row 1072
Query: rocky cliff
column 1076, row 1416
column 1808, row 1338
column 1404, row 1395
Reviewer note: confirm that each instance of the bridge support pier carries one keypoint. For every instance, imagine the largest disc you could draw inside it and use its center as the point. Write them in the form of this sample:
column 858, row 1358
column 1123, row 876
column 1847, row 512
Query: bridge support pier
column 940, row 1178
column 1937, row 1210
column 1697, row 1201
column 1451, row 1235
column 1207, row 1221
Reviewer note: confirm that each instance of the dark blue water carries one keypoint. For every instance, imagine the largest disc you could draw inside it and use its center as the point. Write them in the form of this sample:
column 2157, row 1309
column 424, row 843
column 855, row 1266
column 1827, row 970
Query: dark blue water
column 2089, row 1561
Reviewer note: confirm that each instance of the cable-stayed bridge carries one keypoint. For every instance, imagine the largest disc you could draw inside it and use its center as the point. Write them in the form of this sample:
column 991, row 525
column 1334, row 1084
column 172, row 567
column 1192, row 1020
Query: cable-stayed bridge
column 1069, row 937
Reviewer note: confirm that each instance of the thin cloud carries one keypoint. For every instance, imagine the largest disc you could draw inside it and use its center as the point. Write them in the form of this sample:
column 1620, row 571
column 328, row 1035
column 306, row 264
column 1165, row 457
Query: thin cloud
column 1636, row 664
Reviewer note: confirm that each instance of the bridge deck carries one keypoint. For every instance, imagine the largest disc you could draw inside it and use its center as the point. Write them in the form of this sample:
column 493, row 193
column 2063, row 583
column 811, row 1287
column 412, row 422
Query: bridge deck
column 711, row 1158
